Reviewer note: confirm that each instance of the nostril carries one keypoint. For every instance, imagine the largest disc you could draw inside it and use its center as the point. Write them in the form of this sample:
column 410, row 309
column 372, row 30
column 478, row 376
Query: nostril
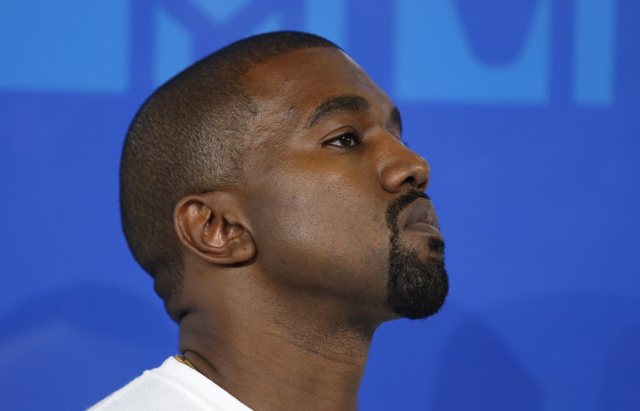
column 410, row 180
column 414, row 183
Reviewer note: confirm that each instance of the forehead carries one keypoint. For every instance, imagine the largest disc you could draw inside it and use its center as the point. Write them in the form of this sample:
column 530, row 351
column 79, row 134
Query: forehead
column 296, row 82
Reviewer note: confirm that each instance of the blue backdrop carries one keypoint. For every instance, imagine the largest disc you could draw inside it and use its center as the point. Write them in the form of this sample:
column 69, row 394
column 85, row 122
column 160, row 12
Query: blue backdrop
column 528, row 112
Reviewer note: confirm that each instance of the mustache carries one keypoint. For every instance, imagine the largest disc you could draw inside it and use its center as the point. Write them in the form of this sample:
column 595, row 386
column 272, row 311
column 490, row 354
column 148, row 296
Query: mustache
column 396, row 206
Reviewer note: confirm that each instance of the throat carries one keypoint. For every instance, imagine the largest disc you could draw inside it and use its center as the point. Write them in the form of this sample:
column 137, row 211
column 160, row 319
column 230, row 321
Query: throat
column 270, row 366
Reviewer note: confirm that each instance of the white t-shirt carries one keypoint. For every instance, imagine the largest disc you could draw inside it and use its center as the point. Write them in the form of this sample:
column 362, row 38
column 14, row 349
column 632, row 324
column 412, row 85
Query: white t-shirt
column 172, row 386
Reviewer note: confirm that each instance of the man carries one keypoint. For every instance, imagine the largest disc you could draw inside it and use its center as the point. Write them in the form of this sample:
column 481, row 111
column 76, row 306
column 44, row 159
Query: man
column 268, row 192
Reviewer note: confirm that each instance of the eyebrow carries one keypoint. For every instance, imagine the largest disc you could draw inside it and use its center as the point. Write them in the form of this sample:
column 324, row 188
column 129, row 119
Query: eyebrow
column 352, row 103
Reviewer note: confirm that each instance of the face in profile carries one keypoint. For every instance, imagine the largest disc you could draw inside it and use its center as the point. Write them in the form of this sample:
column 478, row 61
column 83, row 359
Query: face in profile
column 335, row 199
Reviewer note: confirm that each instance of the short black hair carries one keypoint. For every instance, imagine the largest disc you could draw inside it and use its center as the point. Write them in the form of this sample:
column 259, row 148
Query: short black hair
column 189, row 137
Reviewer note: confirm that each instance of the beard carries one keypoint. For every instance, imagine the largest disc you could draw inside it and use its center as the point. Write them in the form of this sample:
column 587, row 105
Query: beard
column 415, row 288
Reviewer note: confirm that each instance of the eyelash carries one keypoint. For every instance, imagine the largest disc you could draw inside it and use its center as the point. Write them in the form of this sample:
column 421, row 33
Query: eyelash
column 355, row 138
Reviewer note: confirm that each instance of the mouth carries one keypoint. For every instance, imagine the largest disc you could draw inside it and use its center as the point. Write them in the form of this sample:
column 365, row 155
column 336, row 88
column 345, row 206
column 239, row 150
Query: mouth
column 421, row 217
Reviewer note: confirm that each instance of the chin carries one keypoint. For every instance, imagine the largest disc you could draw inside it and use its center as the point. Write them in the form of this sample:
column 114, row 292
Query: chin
column 417, row 288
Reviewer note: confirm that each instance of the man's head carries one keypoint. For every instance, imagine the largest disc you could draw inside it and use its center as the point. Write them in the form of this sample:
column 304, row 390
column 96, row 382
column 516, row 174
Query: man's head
column 277, row 163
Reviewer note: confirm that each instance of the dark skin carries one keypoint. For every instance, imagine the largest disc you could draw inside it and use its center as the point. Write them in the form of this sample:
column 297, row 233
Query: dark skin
column 285, row 274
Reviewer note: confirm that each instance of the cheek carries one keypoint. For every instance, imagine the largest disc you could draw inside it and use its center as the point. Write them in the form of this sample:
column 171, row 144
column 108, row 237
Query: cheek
column 317, row 230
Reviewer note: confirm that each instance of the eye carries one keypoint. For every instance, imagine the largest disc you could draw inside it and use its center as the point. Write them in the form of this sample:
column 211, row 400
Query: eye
column 346, row 140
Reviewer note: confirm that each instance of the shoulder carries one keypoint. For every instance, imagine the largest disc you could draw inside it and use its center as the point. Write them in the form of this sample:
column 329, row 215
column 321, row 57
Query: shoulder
column 171, row 386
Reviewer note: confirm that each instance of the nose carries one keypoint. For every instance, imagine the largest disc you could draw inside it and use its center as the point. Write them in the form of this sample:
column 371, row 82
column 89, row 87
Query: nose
column 402, row 169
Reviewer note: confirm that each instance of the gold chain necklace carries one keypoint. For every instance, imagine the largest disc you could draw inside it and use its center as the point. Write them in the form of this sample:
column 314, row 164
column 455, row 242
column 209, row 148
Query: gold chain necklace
column 181, row 359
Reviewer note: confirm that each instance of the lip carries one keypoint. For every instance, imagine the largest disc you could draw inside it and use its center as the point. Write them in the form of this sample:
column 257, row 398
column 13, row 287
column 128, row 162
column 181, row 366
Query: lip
column 422, row 217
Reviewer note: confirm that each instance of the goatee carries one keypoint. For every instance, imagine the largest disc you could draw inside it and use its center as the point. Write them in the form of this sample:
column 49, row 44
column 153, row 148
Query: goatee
column 415, row 288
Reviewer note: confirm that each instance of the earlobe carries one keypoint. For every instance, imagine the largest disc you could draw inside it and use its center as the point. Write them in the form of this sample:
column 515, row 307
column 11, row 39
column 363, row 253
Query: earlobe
column 206, row 226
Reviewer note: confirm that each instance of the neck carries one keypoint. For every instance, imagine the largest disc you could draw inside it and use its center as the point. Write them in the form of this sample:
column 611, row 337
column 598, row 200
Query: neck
column 308, row 359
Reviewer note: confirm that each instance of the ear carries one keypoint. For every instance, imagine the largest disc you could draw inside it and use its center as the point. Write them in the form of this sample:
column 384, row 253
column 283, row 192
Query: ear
column 210, row 226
